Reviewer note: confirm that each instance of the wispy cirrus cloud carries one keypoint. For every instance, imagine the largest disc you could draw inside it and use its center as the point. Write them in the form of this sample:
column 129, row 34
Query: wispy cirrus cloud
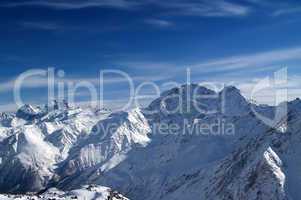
column 9, row 107
column 78, row 87
column 56, row 26
column 35, row 82
column 232, row 66
column 290, row 10
column 202, row 8
column 252, row 61
column 277, row 7
column 112, row 78
column 71, row 5
column 205, row 8
column 47, row 26
column 159, row 23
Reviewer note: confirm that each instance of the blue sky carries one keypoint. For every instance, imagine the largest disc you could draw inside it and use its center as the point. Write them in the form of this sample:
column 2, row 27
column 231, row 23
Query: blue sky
column 154, row 40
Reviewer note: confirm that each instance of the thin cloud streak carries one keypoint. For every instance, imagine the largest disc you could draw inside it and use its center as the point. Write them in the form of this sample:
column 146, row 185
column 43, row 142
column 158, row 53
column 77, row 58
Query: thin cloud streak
column 254, row 61
column 203, row 8
column 232, row 66
column 286, row 11
column 39, row 82
column 159, row 23
column 72, row 5
column 47, row 26
column 10, row 107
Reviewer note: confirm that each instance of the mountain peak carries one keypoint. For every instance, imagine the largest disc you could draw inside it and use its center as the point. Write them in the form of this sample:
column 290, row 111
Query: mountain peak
column 231, row 88
column 233, row 102
column 183, row 99
column 186, row 89
column 28, row 112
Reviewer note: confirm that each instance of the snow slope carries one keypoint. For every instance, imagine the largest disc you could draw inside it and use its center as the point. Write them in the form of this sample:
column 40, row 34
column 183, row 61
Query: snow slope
column 89, row 192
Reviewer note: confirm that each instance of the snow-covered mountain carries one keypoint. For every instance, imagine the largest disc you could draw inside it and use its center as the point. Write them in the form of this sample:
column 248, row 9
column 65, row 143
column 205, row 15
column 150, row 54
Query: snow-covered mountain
column 264, row 167
column 190, row 143
column 36, row 142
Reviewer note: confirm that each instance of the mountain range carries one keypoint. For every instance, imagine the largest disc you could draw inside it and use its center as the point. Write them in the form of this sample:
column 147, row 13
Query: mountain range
column 183, row 145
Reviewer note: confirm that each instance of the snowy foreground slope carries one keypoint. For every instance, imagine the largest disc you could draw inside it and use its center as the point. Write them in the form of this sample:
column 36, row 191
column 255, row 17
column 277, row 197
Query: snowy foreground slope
column 85, row 193
column 68, row 148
